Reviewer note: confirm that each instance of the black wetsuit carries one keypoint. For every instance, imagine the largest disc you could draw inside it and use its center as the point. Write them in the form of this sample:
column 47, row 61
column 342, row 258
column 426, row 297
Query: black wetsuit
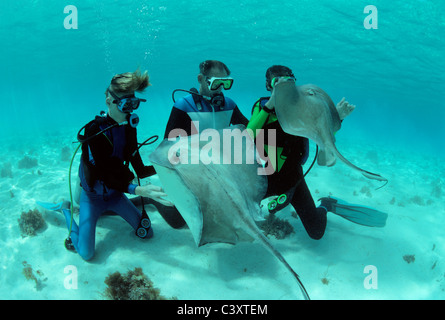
column 112, row 165
column 111, row 152
column 288, row 176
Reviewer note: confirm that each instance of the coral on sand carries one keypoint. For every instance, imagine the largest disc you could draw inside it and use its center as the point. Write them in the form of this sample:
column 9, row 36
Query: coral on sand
column 27, row 162
column 28, row 272
column 66, row 154
column 277, row 227
column 30, row 222
column 134, row 285
column 409, row 258
column 6, row 171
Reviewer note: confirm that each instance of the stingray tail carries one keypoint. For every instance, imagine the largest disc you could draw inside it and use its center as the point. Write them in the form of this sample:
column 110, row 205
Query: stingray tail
column 367, row 174
column 269, row 246
column 373, row 176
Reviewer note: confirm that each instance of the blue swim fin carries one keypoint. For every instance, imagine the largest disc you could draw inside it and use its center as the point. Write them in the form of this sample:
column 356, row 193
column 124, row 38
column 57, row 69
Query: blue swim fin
column 51, row 206
column 54, row 206
column 362, row 215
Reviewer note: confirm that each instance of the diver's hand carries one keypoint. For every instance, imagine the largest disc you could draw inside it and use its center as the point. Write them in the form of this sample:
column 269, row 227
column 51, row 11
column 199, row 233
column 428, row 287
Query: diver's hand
column 270, row 104
column 344, row 108
column 154, row 192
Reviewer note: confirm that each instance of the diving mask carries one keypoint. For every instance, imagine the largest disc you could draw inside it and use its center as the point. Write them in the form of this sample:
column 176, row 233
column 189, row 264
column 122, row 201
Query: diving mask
column 214, row 83
column 128, row 103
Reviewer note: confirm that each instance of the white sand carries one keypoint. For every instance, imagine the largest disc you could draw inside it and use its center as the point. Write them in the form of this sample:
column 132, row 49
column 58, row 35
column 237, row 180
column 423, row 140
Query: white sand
column 331, row 268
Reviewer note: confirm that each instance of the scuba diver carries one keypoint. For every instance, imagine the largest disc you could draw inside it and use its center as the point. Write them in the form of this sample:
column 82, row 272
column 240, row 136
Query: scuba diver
column 207, row 108
column 287, row 182
column 109, row 145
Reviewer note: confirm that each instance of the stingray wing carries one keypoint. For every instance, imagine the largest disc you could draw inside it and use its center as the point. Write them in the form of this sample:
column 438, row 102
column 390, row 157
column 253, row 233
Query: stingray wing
column 215, row 199
column 306, row 111
column 309, row 112
column 219, row 202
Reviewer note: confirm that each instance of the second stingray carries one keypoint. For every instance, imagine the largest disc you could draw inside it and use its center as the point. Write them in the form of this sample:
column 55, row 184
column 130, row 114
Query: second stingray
column 308, row 111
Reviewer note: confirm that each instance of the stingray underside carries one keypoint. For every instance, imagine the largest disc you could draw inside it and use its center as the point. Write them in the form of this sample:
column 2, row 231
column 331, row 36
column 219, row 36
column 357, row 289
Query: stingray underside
column 307, row 111
column 214, row 197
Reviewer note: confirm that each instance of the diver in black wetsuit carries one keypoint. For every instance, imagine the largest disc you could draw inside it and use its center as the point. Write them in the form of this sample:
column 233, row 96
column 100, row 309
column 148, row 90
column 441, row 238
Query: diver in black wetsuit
column 291, row 154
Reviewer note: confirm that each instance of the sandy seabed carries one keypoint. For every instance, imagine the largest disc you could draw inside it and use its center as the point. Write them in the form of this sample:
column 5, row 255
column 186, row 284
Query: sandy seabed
column 406, row 256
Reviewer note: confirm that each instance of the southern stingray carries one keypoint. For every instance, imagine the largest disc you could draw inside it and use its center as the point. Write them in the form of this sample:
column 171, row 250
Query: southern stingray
column 309, row 112
column 218, row 199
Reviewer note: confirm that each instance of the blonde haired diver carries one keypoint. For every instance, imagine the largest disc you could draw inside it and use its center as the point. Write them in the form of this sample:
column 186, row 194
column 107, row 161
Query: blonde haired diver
column 109, row 145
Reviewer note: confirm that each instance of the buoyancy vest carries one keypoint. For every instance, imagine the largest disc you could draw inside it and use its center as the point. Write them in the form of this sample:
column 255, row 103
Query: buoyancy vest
column 120, row 147
column 204, row 115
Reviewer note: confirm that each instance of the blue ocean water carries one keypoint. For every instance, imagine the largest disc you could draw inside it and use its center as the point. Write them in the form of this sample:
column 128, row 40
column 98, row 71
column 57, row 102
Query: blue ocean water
column 53, row 82
column 54, row 78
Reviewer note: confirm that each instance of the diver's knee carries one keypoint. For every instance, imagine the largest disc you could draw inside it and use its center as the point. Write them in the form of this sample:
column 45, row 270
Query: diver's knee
column 317, row 228
column 316, row 234
column 87, row 255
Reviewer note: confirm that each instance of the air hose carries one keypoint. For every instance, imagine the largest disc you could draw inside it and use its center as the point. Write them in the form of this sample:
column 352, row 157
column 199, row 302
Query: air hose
column 71, row 191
